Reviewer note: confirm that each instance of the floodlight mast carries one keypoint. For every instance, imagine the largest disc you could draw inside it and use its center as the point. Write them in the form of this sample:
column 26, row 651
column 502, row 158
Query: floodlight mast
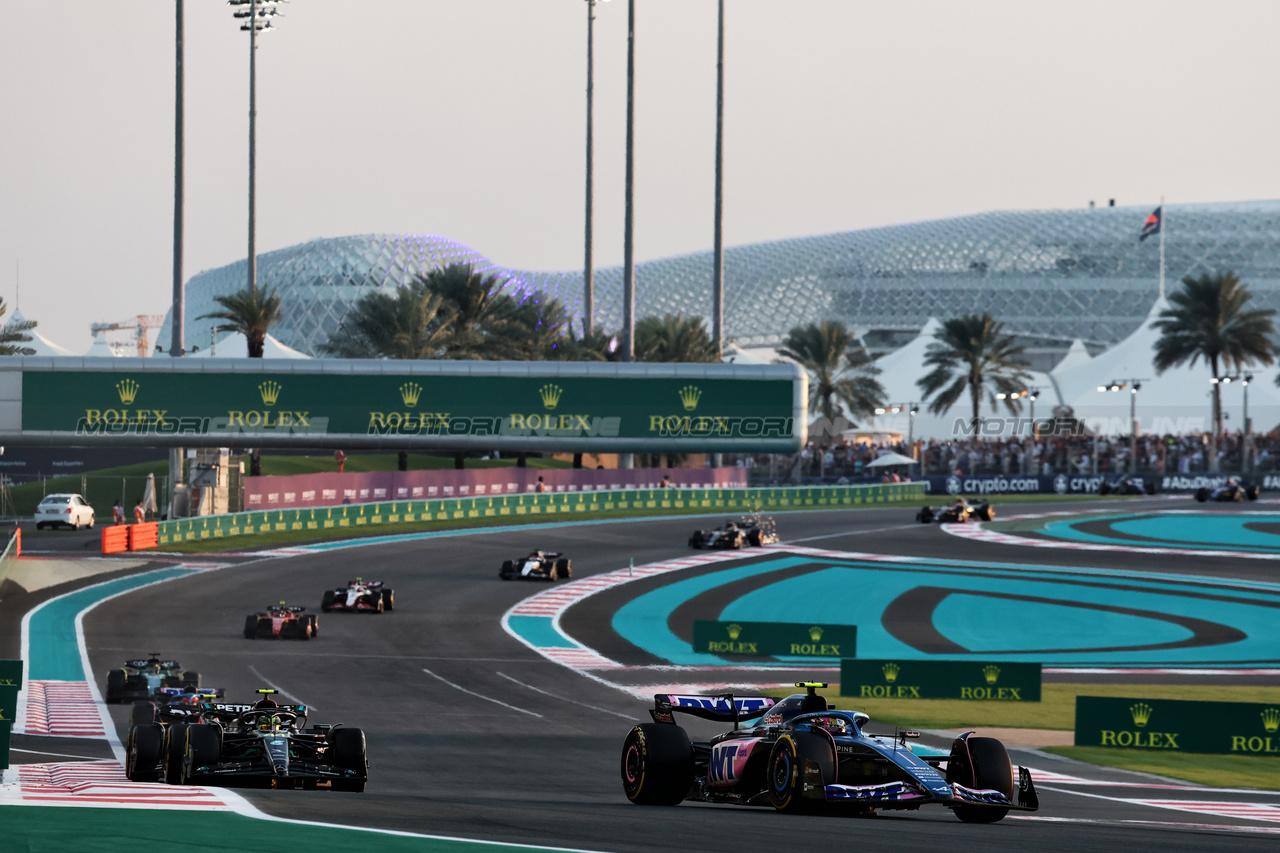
column 255, row 18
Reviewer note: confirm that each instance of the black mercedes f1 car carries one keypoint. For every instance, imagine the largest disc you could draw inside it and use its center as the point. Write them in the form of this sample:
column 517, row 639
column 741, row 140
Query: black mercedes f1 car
column 142, row 678
column 957, row 513
column 733, row 535
column 538, row 566
column 270, row 746
column 359, row 596
column 799, row 755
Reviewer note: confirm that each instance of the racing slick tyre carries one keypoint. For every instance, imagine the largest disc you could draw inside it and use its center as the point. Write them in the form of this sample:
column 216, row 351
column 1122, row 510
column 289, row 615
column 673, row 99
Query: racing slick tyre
column 925, row 515
column 145, row 743
column 786, row 773
column 753, row 538
column 553, row 574
column 388, row 599
column 315, row 624
column 326, row 602
column 191, row 681
column 564, row 569
column 143, row 713
column 304, row 628
column 1202, row 495
column 698, row 539
column 115, row 686
column 175, row 742
column 250, row 627
column 1251, row 492
column 508, row 570
column 657, row 765
column 986, row 512
column 349, row 753
column 981, row 763
column 202, row 747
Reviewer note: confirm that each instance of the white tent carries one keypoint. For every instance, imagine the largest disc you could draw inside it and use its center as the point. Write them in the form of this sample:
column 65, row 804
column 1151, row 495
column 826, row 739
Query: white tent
column 899, row 371
column 1177, row 401
column 1075, row 356
column 39, row 343
column 100, row 348
column 234, row 345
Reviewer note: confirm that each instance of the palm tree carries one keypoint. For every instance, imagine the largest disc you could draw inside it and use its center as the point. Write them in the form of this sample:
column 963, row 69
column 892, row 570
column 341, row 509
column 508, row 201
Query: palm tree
column 410, row 324
column 14, row 334
column 249, row 312
column 489, row 322
column 837, row 372
column 973, row 354
column 672, row 338
column 1207, row 319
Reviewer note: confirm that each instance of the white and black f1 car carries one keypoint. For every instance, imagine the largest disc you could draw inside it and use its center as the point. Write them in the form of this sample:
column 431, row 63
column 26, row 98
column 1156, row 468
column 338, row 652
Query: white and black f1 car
column 798, row 754
column 959, row 512
column 281, row 622
column 1229, row 491
column 141, row 679
column 269, row 745
column 359, row 596
column 732, row 536
column 538, row 566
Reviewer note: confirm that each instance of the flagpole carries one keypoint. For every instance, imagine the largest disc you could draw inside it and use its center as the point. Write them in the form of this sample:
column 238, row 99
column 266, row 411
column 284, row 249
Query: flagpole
column 1162, row 230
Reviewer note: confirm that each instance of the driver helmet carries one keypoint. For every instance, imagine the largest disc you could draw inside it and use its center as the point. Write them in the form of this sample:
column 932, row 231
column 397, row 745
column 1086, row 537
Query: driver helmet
column 153, row 668
column 1231, row 481
column 269, row 724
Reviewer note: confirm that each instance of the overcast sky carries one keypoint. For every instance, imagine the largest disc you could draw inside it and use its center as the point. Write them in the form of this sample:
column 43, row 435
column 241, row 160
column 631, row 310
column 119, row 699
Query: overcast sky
column 466, row 118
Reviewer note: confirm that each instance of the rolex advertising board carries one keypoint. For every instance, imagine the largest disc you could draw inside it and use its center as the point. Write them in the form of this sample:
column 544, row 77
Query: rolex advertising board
column 940, row 679
column 774, row 639
column 8, row 702
column 1178, row 725
column 11, row 673
column 586, row 407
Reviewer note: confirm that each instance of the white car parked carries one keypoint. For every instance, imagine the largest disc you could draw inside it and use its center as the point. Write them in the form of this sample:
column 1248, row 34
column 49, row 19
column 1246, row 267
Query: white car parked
column 64, row 510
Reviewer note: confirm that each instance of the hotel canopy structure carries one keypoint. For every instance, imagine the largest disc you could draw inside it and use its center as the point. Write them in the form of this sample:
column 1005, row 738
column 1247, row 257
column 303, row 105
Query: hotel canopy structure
column 1051, row 276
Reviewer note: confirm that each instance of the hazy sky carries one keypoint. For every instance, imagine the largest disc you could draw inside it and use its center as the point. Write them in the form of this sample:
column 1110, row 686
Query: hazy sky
column 466, row 118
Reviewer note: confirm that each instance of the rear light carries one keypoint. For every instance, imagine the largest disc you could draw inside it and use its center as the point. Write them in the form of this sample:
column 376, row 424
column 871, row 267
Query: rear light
column 68, row 510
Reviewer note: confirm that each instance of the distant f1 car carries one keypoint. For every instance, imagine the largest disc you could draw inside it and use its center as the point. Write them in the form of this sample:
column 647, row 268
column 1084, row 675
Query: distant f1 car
column 281, row 622
column 1231, row 491
column 732, row 536
column 270, row 745
column 959, row 512
column 798, row 755
column 359, row 596
column 538, row 566
column 140, row 679
column 1126, row 486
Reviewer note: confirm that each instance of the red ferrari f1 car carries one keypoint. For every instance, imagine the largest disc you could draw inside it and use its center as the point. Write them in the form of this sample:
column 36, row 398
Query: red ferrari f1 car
column 280, row 622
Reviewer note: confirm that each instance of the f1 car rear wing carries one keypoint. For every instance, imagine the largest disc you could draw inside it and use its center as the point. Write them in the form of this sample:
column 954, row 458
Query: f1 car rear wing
column 724, row 707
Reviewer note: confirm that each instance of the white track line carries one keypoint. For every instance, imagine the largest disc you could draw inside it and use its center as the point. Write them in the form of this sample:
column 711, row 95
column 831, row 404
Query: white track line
column 285, row 693
column 563, row 699
column 481, row 695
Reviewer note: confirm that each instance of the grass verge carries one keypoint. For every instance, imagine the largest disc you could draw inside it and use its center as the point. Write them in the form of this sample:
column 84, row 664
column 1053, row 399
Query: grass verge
column 1219, row 771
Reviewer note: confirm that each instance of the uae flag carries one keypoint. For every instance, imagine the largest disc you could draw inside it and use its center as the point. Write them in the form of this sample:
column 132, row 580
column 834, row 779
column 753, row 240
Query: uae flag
column 1152, row 225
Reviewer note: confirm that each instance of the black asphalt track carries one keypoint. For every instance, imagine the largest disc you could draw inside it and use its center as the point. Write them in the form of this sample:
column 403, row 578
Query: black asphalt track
column 471, row 734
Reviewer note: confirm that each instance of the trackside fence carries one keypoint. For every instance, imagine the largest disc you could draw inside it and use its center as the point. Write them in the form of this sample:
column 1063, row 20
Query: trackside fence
column 529, row 506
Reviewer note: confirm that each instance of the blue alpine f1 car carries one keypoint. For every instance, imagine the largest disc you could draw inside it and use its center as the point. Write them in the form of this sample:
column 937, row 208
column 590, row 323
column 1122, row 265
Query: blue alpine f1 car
column 798, row 755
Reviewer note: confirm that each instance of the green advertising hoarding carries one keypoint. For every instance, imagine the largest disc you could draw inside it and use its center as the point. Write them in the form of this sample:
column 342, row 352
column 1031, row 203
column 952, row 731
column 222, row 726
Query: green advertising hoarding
column 774, row 639
column 940, row 679
column 1178, row 725
column 8, row 702
column 11, row 672
column 504, row 405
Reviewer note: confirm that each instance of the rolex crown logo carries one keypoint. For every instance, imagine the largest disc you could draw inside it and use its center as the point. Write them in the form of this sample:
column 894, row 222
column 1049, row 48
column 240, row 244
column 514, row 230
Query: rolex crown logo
column 550, row 395
column 128, row 390
column 991, row 673
column 735, row 630
column 890, row 671
column 815, row 633
column 1141, row 714
column 1271, row 719
column 410, row 392
column 689, row 397
column 270, row 391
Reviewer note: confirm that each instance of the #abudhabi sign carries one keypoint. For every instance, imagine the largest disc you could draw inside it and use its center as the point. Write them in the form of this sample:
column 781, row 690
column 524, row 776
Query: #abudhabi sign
column 592, row 407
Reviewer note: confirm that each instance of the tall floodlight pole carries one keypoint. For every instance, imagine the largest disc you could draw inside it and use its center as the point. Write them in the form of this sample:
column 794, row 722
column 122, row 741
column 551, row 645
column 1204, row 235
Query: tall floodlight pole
column 717, row 301
column 255, row 19
column 178, row 315
column 628, row 249
column 588, row 272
